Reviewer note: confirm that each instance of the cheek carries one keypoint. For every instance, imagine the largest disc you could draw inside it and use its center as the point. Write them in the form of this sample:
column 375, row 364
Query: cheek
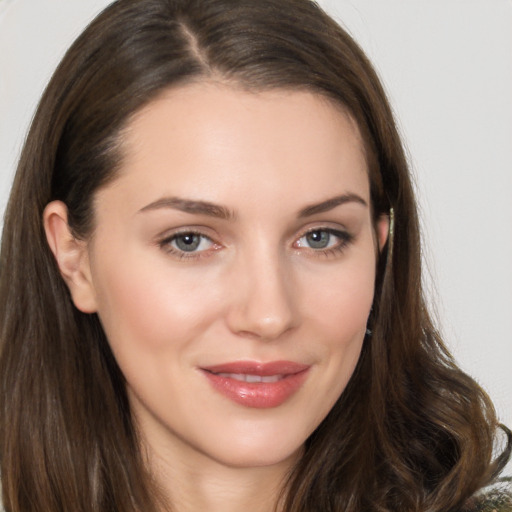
column 340, row 300
column 152, row 306
column 338, row 306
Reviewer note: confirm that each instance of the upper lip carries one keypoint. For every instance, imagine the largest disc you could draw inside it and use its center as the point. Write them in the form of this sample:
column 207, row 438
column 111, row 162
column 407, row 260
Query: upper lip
column 258, row 368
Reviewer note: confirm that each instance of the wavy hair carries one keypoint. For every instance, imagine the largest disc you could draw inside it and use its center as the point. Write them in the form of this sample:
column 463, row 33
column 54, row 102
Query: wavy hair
column 411, row 432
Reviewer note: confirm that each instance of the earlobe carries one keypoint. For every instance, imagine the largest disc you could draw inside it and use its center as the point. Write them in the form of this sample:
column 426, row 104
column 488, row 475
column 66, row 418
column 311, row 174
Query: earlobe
column 71, row 256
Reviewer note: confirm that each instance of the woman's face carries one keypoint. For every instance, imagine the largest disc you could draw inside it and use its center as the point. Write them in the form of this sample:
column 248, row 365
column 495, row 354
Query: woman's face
column 233, row 269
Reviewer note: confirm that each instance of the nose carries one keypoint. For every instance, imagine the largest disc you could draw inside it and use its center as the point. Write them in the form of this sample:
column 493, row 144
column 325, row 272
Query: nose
column 263, row 303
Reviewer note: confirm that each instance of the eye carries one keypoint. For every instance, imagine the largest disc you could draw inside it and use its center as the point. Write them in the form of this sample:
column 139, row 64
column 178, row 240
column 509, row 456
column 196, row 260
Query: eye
column 319, row 239
column 324, row 240
column 188, row 244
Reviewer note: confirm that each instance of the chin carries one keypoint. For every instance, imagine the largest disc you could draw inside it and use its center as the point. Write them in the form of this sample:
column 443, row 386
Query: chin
column 258, row 458
column 259, row 447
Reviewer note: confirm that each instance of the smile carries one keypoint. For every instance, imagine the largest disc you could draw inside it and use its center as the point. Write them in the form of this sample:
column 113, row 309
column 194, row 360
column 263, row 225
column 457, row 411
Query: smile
column 257, row 385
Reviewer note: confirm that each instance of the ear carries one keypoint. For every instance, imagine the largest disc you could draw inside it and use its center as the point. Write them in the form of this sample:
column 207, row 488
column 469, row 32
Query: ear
column 382, row 231
column 71, row 256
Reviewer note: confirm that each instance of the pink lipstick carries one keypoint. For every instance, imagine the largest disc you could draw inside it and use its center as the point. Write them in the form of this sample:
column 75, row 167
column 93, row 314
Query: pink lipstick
column 257, row 385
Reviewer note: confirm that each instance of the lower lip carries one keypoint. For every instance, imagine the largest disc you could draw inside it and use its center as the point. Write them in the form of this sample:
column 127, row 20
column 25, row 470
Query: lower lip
column 259, row 395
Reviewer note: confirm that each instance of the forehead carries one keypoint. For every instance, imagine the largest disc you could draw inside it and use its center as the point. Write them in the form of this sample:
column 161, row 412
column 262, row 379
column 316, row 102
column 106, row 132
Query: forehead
column 212, row 139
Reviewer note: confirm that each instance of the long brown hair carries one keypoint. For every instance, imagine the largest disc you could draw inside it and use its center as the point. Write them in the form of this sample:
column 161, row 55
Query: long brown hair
column 411, row 432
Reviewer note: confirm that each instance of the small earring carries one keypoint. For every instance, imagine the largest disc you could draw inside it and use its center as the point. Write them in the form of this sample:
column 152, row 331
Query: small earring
column 391, row 233
column 368, row 322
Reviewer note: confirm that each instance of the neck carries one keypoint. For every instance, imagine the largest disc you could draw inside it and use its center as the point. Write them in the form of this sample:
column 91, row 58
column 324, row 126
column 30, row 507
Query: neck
column 197, row 483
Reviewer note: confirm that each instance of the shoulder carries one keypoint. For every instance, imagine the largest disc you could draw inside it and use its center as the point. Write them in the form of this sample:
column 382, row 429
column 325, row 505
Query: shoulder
column 494, row 498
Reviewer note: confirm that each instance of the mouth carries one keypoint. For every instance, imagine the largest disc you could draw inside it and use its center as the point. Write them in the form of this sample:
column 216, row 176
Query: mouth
column 251, row 378
column 257, row 385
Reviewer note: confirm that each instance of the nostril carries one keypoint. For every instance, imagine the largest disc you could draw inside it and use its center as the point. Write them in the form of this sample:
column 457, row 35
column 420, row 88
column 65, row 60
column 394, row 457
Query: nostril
column 268, row 327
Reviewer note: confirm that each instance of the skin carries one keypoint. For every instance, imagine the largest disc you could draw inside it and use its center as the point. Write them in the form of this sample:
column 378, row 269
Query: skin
column 255, row 288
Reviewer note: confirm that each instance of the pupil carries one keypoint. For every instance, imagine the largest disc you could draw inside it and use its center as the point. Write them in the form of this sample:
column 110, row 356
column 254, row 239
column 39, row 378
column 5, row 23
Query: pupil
column 189, row 242
column 318, row 239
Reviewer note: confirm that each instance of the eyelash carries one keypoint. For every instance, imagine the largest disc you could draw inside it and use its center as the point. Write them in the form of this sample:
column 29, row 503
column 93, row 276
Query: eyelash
column 344, row 238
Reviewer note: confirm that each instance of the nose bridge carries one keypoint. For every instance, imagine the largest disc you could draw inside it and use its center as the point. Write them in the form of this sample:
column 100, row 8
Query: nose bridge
column 263, row 303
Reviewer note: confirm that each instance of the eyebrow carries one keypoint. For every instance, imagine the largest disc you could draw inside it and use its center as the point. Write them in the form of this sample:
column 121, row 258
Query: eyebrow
column 191, row 206
column 221, row 212
column 329, row 204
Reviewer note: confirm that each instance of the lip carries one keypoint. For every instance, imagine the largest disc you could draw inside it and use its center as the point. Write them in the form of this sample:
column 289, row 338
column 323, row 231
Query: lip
column 279, row 380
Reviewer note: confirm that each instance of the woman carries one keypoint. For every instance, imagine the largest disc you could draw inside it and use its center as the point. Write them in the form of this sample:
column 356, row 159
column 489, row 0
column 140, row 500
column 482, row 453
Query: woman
column 211, row 286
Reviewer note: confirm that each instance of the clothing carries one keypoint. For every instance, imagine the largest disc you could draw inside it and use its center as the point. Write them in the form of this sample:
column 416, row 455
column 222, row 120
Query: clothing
column 494, row 498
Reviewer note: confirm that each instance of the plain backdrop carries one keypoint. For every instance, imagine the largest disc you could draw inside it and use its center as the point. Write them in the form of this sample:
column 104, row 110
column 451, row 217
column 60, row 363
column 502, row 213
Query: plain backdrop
column 447, row 67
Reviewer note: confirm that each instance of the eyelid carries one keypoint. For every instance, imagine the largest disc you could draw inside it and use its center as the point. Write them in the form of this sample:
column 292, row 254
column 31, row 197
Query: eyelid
column 336, row 229
column 169, row 233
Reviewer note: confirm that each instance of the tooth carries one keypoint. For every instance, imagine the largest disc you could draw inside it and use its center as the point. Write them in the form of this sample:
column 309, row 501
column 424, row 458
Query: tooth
column 242, row 377
column 235, row 376
column 271, row 378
